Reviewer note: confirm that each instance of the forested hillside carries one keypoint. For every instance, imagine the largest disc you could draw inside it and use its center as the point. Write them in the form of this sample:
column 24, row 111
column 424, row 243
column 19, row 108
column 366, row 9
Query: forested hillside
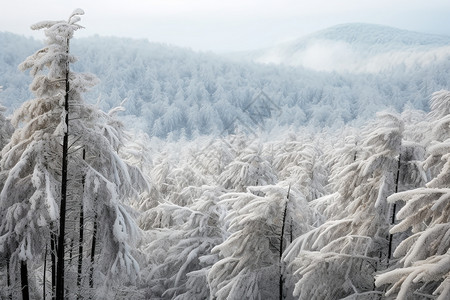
column 358, row 48
column 177, row 92
column 234, row 189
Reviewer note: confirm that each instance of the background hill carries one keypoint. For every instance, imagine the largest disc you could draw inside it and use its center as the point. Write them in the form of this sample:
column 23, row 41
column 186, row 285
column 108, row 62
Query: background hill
column 358, row 47
column 334, row 77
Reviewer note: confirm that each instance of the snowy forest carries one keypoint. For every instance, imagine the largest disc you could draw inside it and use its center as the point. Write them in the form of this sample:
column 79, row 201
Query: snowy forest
column 187, row 175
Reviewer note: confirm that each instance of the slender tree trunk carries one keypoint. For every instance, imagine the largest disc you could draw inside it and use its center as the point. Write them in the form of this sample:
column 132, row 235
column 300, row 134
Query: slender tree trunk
column 281, row 282
column 394, row 208
column 8, row 278
column 94, row 236
column 80, row 249
column 62, row 208
column 81, row 236
column 44, row 279
column 354, row 155
column 53, row 260
column 71, row 251
column 291, row 237
column 24, row 280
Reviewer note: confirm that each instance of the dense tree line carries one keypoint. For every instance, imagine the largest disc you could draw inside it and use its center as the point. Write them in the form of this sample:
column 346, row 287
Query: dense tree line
column 175, row 92
column 323, row 216
column 64, row 222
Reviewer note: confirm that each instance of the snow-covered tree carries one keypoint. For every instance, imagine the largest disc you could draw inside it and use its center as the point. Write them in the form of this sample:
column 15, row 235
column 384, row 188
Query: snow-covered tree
column 212, row 157
column 343, row 152
column 339, row 258
column 249, row 265
column 43, row 183
column 6, row 128
column 32, row 159
column 174, row 180
column 110, row 184
column 425, row 255
column 179, row 252
column 249, row 168
column 300, row 163
column 138, row 156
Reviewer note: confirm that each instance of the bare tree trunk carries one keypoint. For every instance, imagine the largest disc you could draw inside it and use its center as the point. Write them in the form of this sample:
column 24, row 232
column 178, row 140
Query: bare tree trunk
column 94, row 236
column 81, row 236
column 394, row 207
column 62, row 207
column 8, row 277
column 291, row 236
column 44, row 279
column 24, row 280
column 281, row 282
column 71, row 251
column 354, row 155
column 53, row 259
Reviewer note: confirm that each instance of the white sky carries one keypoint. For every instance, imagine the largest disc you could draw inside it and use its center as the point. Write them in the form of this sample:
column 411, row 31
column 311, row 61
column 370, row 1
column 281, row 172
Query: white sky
column 225, row 25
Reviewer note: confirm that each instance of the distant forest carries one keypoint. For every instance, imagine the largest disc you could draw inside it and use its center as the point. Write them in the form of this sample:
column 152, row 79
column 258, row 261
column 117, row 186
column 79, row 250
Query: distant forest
column 174, row 92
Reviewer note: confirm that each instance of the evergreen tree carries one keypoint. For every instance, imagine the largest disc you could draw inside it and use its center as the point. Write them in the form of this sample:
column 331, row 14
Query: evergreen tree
column 249, row 263
column 249, row 168
column 30, row 163
column 300, row 162
column 425, row 255
column 6, row 128
column 179, row 251
column 44, row 186
column 339, row 258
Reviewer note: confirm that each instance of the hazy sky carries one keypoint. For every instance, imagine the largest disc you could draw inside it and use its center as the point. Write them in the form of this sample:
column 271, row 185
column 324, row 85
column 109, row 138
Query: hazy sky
column 226, row 25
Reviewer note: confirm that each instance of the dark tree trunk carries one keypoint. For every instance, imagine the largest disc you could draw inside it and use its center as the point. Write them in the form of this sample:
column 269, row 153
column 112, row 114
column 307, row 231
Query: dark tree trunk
column 394, row 208
column 354, row 155
column 24, row 280
column 94, row 236
column 44, row 279
column 71, row 251
column 281, row 282
column 80, row 248
column 81, row 236
column 53, row 259
column 62, row 207
column 8, row 278
column 291, row 236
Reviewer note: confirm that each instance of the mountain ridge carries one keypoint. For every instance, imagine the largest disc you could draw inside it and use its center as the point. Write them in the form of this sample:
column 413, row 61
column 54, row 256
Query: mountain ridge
column 376, row 34
column 353, row 45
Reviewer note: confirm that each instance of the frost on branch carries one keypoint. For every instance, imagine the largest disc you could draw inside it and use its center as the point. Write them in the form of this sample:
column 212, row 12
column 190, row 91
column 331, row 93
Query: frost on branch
column 425, row 255
column 179, row 250
column 249, row 263
column 340, row 257
column 250, row 168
